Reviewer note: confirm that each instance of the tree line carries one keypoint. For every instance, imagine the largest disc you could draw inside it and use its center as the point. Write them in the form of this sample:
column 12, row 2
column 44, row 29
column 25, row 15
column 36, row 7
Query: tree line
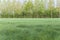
column 28, row 9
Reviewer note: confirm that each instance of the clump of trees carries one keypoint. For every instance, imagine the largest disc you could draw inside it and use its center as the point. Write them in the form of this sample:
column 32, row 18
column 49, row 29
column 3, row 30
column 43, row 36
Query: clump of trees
column 28, row 9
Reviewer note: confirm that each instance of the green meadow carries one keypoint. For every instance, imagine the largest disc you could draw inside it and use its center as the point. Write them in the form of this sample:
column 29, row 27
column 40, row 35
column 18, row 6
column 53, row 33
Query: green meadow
column 29, row 29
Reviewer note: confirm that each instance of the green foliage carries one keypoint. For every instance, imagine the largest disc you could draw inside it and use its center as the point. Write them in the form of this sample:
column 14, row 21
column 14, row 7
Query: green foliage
column 29, row 9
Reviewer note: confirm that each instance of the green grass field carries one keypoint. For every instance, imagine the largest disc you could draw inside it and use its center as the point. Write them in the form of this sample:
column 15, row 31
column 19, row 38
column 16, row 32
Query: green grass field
column 29, row 29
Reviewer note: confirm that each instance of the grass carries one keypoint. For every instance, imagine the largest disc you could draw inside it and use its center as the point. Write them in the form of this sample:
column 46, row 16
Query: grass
column 29, row 29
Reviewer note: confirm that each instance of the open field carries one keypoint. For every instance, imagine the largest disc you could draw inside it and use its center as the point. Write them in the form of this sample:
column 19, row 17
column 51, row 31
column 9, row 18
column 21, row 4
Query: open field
column 29, row 29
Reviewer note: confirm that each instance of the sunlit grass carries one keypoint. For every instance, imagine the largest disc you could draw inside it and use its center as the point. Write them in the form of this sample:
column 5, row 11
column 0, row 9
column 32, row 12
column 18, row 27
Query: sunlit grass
column 29, row 29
